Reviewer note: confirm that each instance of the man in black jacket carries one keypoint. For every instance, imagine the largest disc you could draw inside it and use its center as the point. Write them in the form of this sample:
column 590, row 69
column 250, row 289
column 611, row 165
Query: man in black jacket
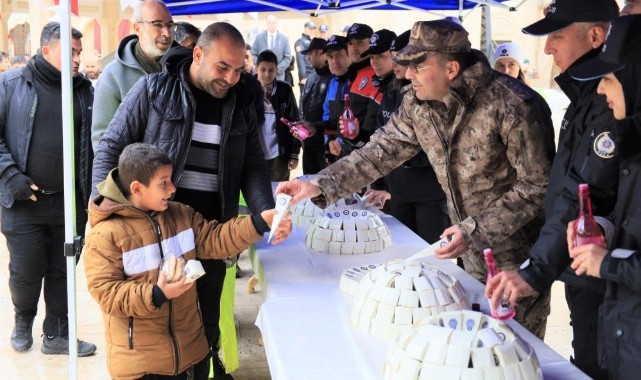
column 311, row 108
column 586, row 153
column 32, row 187
column 203, row 116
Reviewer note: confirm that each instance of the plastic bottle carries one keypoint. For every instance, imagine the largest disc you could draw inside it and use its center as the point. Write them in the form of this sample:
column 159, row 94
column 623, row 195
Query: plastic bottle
column 505, row 309
column 586, row 229
column 349, row 120
column 302, row 132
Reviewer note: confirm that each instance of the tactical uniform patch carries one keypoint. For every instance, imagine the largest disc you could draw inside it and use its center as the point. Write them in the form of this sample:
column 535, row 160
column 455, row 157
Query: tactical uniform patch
column 604, row 146
column 363, row 83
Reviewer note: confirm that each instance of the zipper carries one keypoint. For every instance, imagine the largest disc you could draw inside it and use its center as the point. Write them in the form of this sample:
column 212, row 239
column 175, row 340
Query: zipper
column 192, row 103
column 172, row 335
column 131, row 333
column 223, row 148
column 447, row 165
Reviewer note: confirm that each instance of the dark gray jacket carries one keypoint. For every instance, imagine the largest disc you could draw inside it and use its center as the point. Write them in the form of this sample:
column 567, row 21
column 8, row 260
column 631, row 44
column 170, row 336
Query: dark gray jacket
column 160, row 109
column 18, row 102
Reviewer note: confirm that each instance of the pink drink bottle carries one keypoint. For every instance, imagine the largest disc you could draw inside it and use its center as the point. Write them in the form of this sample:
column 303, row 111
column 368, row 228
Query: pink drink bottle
column 586, row 229
column 302, row 132
column 505, row 309
column 349, row 120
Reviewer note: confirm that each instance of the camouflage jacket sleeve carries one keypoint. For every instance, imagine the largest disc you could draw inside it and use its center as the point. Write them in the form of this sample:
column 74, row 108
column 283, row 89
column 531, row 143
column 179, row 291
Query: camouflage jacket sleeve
column 387, row 149
column 523, row 129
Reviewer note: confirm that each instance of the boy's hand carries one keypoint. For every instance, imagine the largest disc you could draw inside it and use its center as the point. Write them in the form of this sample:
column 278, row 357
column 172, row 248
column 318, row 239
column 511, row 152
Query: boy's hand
column 284, row 228
column 175, row 289
column 304, row 125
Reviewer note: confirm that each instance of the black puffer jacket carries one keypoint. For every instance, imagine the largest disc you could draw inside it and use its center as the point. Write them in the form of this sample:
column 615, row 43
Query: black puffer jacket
column 160, row 110
column 18, row 98
column 587, row 124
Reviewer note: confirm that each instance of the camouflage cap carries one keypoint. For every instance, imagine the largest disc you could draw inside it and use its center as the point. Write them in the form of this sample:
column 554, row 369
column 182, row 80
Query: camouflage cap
column 440, row 36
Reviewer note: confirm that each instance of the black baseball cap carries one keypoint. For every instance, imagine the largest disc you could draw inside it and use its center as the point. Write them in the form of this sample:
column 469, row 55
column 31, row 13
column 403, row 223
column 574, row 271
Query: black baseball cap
column 562, row 13
column 315, row 44
column 359, row 32
column 336, row 43
column 380, row 42
column 401, row 41
column 622, row 47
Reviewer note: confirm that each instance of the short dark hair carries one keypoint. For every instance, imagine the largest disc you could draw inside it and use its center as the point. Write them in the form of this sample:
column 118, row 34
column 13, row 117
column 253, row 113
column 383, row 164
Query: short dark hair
column 248, row 46
column 217, row 31
column 267, row 56
column 185, row 30
column 464, row 60
column 140, row 162
column 4, row 55
column 51, row 33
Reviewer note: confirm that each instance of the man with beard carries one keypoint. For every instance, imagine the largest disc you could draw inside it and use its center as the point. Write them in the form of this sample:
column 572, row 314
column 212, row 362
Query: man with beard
column 137, row 55
column 207, row 125
column 92, row 69
column 32, row 187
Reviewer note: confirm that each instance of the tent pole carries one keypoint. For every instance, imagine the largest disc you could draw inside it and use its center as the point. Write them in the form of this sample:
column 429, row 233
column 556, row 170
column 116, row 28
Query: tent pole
column 489, row 48
column 64, row 11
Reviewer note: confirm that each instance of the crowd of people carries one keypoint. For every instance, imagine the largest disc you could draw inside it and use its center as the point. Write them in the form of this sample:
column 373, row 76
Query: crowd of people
column 449, row 141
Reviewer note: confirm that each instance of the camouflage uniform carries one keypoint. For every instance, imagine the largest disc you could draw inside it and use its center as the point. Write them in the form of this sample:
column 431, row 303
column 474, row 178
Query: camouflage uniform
column 491, row 145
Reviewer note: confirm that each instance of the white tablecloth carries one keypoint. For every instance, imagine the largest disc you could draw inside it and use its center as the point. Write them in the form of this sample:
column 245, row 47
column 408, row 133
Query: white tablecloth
column 304, row 319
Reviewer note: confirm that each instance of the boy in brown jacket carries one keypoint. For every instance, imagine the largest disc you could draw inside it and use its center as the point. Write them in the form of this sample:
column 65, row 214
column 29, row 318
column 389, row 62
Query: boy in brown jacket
column 153, row 328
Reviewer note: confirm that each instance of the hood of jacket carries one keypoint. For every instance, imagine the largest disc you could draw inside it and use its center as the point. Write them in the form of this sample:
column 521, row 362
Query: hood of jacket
column 111, row 201
column 126, row 55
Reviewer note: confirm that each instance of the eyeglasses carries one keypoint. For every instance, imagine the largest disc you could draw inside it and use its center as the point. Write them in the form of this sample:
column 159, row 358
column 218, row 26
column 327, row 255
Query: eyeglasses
column 171, row 26
column 417, row 69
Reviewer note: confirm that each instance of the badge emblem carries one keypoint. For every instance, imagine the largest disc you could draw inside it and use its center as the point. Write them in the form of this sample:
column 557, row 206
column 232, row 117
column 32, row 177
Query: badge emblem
column 604, row 146
column 363, row 83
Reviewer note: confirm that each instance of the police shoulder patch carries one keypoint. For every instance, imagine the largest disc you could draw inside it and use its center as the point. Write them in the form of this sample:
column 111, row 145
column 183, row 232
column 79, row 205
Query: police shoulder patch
column 363, row 83
column 604, row 145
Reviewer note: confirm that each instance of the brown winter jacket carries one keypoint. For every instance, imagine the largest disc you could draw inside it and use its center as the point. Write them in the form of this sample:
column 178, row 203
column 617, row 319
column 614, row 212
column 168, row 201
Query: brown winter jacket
column 122, row 255
column 491, row 144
